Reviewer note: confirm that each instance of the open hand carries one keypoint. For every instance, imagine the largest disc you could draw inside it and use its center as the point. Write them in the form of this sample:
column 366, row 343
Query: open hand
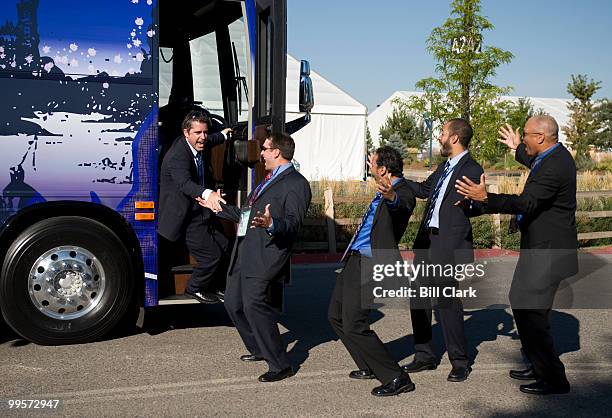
column 262, row 220
column 213, row 202
column 512, row 139
column 206, row 204
column 471, row 190
column 385, row 188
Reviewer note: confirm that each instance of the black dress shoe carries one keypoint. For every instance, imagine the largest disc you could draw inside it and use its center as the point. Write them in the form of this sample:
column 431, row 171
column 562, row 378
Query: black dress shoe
column 251, row 357
column 271, row 376
column 203, row 297
column 540, row 387
column 459, row 374
column 419, row 366
column 527, row 374
column 398, row 385
column 220, row 295
column 361, row 374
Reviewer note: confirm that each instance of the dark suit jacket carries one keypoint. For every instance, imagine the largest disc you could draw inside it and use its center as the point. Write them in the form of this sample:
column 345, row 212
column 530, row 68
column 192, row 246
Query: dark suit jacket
column 548, row 205
column 179, row 186
column 389, row 225
column 267, row 256
column 455, row 229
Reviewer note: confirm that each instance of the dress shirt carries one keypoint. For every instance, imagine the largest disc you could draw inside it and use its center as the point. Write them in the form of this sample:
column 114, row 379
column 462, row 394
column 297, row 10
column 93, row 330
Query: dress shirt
column 434, row 222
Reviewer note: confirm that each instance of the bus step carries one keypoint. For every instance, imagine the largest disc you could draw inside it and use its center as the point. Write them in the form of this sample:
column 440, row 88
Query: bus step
column 184, row 269
column 177, row 300
column 181, row 275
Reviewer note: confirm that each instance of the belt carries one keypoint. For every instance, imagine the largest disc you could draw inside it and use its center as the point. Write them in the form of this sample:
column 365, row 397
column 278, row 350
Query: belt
column 353, row 252
column 433, row 230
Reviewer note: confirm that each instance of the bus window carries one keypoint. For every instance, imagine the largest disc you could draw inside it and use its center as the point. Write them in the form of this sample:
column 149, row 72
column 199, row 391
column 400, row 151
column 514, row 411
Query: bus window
column 264, row 65
column 205, row 70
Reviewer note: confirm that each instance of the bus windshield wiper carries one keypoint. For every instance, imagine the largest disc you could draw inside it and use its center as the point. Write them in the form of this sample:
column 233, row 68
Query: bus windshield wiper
column 241, row 82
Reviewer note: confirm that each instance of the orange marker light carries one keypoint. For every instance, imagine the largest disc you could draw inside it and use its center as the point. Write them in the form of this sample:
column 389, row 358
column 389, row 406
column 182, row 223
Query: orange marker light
column 144, row 205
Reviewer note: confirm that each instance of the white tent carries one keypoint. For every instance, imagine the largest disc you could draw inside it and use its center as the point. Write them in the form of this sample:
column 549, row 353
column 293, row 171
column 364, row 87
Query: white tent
column 557, row 108
column 331, row 146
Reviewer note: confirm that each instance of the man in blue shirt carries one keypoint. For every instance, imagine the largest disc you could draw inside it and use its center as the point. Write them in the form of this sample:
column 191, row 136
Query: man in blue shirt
column 546, row 215
column 375, row 242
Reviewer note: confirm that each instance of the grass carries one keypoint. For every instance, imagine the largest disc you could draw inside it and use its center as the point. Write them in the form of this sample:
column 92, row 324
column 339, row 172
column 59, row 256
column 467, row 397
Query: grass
column 483, row 227
column 587, row 181
column 354, row 188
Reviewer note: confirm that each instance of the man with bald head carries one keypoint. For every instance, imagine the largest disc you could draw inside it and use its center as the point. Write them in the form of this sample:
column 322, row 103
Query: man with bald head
column 546, row 216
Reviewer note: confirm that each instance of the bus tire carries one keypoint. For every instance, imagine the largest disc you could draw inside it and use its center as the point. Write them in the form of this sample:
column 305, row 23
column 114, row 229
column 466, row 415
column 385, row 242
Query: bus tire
column 65, row 280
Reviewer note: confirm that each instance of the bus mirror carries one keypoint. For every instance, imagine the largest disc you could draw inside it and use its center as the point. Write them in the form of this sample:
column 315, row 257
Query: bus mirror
column 306, row 92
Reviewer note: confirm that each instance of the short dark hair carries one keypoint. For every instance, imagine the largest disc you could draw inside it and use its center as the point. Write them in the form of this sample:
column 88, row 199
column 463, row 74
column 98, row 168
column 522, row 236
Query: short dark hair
column 462, row 129
column 284, row 143
column 390, row 158
column 194, row 116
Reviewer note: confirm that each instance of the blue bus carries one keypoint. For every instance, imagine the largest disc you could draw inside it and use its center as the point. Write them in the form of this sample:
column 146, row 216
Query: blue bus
column 93, row 93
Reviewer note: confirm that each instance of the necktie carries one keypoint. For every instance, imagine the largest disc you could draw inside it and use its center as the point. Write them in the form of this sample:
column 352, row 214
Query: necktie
column 258, row 189
column 436, row 193
column 358, row 230
column 200, row 167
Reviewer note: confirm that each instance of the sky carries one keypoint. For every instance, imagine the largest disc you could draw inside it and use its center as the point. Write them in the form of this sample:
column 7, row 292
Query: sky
column 370, row 49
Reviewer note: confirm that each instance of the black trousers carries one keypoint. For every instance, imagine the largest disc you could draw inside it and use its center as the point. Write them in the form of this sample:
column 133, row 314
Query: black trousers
column 531, row 297
column 207, row 244
column 247, row 303
column 533, row 326
column 449, row 311
column 348, row 317
column 451, row 321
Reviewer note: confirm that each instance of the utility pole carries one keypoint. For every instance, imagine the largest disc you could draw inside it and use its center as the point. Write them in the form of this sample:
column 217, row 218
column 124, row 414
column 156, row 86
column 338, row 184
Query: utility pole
column 429, row 124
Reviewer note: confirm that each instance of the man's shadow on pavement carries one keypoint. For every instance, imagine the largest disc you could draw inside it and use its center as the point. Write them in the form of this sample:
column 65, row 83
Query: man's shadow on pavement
column 305, row 318
column 306, row 301
column 487, row 325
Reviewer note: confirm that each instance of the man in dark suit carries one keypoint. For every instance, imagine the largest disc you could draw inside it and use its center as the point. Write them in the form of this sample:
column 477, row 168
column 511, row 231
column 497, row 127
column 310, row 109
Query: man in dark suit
column 260, row 261
column 444, row 238
column 545, row 213
column 184, row 177
column 375, row 242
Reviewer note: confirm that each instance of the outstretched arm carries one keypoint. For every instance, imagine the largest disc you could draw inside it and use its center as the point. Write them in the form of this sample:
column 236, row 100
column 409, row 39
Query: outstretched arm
column 535, row 193
column 229, row 212
column 423, row 188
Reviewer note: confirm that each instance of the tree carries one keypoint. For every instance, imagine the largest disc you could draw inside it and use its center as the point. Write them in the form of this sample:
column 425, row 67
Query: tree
column 404, row 127
column 583, row 127
column 369, row 142
column 395, row 141
column 518, row 113
column 603, row 118
column 465, row 69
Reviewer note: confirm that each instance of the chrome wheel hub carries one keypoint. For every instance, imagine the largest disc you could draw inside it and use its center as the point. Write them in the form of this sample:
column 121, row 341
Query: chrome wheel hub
column 66, row 282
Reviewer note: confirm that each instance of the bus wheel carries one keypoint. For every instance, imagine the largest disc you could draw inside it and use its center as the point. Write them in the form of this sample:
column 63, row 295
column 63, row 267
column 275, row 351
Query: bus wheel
column 65, row 280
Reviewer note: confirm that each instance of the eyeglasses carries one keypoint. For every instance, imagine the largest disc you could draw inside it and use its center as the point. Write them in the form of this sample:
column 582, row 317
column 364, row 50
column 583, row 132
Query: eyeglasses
column 532, row 133
column 261, row 147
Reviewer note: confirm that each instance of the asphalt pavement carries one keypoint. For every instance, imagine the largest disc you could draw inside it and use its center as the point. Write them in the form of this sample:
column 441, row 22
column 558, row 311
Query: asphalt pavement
column 184, row 362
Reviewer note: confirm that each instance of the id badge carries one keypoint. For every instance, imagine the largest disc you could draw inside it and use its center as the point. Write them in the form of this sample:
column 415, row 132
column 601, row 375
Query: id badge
column 244, row 222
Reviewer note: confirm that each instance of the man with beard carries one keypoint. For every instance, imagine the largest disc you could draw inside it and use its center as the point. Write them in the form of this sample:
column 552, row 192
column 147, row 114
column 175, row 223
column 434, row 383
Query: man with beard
column 444, row 238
